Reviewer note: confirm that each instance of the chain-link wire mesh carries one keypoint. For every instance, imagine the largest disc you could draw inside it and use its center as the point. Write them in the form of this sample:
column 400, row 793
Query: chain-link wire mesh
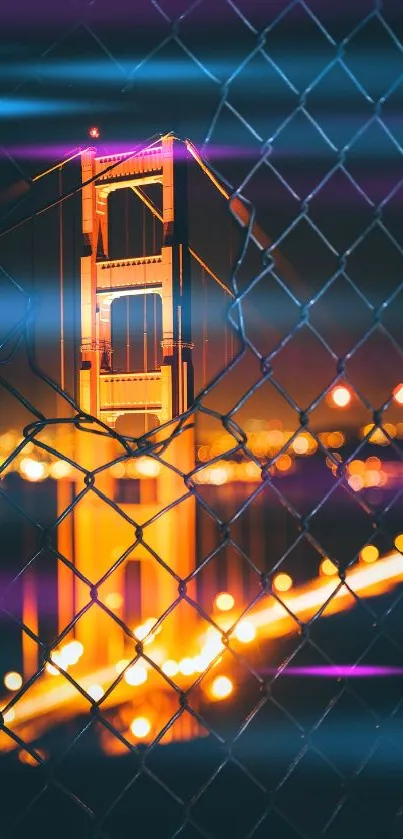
column 295, row 108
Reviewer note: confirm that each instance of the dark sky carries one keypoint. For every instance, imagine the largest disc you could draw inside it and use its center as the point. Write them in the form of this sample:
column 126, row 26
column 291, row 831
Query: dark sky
column 308, row 127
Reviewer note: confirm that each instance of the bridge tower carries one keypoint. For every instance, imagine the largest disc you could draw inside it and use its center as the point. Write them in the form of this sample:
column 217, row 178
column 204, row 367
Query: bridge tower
column 98, row 534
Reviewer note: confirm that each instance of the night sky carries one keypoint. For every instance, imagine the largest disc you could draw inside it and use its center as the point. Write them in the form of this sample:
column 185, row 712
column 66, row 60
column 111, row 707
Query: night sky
column 304, row 124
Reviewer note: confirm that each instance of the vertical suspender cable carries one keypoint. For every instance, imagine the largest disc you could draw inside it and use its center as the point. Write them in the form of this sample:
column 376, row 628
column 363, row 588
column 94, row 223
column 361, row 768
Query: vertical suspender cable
column 127, row 298
column 145, row 347
column 231, row 257
column 204, row 329
column 155, row 306
column 61, row 273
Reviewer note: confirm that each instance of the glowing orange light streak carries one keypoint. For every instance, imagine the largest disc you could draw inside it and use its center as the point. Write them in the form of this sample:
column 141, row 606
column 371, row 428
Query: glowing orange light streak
column 272, row 621
column 304, row 604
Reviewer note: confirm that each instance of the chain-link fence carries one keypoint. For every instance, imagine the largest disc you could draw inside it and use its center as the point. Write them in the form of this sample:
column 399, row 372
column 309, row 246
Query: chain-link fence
column 264, row 698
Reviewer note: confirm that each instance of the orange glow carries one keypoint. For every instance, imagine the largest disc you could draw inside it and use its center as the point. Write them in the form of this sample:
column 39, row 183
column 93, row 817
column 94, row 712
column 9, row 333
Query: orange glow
column 13, row 680
column 224, row 601
column 245, row 632
column 398, row 394
column 284, row 463
column 341, row 396
column 356, row 467
column 94, row 132
column 373, row 463
column 29, row 760
column 369, row 554
column 222, row 687
column 282, row 582
column 373, row 579
column 114, row 600
column 328, row 568
column 140, row 727
column 271, row 621
column 335, row 439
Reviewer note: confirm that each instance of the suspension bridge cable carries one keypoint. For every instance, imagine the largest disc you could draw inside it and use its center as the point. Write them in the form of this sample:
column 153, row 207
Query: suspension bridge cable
column 77, row 189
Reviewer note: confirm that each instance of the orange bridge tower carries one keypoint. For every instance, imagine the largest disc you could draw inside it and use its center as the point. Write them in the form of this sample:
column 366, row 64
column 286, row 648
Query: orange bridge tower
column 139, row 582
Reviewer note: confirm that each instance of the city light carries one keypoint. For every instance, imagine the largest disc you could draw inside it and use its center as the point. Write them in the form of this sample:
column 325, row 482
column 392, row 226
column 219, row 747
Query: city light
column 284, row 463
column 300, row 444
column 13, row 680
column 245, row 632
column 147, row 467
column 140, row 727
column 144, row 629
column 136, row 675
column 186, row 667
column 71, row 653
column 33, row 470
column 282, row 582
column 222, row 687
column 335, row 439
column 96, row 692
column 170, row 668
column 60, row 469
column 224, row 601
column 398, row 394
column 328, row 568
column 369, row 554
column 340, row 396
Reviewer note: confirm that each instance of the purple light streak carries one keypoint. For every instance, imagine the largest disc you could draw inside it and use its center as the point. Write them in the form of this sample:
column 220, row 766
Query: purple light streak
column 334, row 671
column 59, row 152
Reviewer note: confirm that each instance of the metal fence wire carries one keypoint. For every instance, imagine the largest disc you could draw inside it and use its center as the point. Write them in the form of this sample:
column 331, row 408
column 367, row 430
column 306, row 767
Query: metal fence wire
column 295, row 108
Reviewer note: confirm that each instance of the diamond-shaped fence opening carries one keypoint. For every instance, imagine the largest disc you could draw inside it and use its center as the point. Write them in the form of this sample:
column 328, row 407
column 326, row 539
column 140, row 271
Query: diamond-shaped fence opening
column 200, row 574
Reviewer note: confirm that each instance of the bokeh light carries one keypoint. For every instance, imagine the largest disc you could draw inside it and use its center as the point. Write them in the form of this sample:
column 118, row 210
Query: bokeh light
column 245, row 632
column 13, row 680
column 369, row 554
column 399, row 542
column 340, row 396
column 140, row 727
column 135, row 675
column 221, row 687
column 96, row 692
column 282, row 582
column 114, row 600
column 328, row 568
column 224, row 601
column 398, row 394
